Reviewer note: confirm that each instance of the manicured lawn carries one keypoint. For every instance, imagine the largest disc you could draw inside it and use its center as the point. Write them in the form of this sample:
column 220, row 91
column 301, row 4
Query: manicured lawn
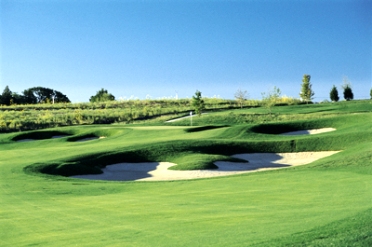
column 324, row 203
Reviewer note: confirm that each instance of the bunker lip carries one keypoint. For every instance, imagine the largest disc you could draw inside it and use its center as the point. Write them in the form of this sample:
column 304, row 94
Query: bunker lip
column 309, row 132
column 158, row 171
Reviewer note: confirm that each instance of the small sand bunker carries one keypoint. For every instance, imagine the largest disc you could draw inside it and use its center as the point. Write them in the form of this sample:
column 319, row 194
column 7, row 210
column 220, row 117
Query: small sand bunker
column 159, row 171
column 309, row 132
column 90, row 138
column 59, row 136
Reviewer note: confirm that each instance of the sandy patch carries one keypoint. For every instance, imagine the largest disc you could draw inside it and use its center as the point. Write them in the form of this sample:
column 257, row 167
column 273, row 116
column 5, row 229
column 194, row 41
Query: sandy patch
column 59, row 136
column 90, row 138
column 159, row 171
column 309, row 132
column 181, row 118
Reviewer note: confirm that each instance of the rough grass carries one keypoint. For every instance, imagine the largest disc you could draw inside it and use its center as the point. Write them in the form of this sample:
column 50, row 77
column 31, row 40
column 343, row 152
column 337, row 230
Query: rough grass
column 324, row 203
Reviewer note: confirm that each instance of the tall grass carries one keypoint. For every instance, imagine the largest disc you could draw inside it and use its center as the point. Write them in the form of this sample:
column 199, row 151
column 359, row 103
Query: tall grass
column 28, row 117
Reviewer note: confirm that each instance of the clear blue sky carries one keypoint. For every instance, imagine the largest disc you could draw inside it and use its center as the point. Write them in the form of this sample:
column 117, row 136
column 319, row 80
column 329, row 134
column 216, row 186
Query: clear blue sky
column 160, row 48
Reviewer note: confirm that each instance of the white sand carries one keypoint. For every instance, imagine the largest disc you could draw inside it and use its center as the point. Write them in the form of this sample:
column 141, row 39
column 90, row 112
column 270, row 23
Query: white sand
column 309, row 132
column 159, row 171
column 181, row 118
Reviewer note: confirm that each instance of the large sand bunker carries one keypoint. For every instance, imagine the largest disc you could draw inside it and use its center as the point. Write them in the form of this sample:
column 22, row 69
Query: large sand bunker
column 159, row 171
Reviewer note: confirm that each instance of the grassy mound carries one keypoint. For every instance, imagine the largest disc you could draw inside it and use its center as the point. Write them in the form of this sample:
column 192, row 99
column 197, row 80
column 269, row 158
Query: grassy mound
column 198, row 161
column 283, row 127
column 63, row 169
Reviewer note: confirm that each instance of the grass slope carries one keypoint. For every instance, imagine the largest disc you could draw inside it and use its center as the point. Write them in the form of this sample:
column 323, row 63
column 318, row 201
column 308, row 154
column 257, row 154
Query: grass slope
column 324, row 203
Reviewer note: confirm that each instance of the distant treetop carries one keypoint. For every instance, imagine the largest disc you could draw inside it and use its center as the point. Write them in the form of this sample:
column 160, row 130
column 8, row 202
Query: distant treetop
column 33, row 95
column 306, row 93
column 101, row 96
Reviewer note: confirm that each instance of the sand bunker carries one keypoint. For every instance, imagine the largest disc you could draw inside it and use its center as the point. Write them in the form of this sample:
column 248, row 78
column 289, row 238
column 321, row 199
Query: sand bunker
column 159, row 171
column 30, row 139
column 90, row 138
column 59, row 136
column 309, row 132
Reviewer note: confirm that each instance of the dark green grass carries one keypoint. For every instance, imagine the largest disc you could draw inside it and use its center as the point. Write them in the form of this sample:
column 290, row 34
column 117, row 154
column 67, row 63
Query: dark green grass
column 324, row 203
column 39, row 135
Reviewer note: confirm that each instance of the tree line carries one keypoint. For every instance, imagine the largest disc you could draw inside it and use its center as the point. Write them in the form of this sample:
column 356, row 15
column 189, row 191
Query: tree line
column 307, row 93
column 33, row 95
column 37, row 95
column 272, row 97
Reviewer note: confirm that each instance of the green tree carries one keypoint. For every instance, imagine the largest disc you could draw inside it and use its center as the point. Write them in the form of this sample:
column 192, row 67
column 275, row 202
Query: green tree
column 198, row 103
column 241, row 96
column 306, row 93
column 370, row 93
column 18, row 99
column 270, row 98
column 102, row 96
column 6, row 96
column 348, row 92
column 43, row 95
column 334, row 94
column 29, row 96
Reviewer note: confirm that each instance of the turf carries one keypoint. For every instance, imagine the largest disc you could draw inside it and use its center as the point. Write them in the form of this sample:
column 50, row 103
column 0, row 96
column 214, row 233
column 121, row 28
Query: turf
column 327, row 202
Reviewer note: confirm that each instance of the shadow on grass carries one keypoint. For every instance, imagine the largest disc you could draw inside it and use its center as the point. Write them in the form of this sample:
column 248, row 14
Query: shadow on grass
column 39, row 135
column 257, row 161
column 202, row 128
column 123, row 172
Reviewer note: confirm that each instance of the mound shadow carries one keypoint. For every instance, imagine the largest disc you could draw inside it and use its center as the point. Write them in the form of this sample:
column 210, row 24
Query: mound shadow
column 296, row 128
column 39, row 135
column 202, row 128
column 256, row 161
column 123, row 172
column 83, row 138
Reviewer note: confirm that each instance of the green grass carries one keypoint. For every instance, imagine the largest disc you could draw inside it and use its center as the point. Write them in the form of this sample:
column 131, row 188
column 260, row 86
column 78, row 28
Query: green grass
column 325, row 203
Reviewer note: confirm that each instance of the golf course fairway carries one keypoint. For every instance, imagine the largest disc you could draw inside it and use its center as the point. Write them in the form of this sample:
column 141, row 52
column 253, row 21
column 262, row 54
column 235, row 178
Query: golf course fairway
column 327, row 202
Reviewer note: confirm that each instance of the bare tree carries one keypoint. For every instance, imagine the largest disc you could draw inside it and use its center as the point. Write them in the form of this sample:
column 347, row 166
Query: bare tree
column 241, row 96
column 270, row 98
